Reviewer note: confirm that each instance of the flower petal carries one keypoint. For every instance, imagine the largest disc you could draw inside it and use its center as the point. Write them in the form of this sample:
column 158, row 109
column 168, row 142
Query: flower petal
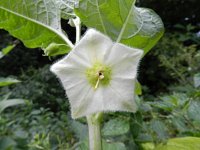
column 96, row 101
column 78, row 95
column 123, row 60
column 69, row 63
column 117, row 97
column 71, row 73
column 124, row 88
column 75, row 85
column 93, row 46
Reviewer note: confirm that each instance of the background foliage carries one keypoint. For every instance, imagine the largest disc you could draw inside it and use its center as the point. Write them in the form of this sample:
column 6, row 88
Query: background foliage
column 168, row 107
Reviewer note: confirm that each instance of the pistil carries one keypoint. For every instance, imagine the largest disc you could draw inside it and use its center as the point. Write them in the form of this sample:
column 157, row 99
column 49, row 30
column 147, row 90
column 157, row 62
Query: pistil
column 100, row 77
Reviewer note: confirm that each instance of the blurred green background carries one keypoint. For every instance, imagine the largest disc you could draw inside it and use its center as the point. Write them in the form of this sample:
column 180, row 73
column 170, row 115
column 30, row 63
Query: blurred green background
column 168, row 106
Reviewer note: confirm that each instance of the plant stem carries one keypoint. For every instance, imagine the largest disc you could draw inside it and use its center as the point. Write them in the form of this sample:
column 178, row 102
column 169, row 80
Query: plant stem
column 94, row 126
column 77, row 23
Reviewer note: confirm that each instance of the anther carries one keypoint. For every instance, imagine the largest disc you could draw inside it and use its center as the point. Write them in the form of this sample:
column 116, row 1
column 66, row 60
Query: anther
column 100, row 77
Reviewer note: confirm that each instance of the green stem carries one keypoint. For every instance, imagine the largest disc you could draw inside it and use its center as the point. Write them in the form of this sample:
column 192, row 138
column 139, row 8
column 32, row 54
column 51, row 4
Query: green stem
column 94, row 126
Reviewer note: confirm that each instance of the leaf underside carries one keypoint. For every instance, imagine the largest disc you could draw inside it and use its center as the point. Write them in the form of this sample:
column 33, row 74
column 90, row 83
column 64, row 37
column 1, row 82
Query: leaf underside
column 122, row 21
column 35, row 22
column 67, row 8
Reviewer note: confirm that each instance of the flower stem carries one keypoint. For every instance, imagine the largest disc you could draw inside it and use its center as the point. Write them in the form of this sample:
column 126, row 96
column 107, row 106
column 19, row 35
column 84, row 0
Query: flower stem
column 77, row 23
column 94, row 126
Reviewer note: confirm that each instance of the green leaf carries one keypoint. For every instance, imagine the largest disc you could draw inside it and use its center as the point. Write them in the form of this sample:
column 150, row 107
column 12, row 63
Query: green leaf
column 7, row 143
column 144, row 137
column 21, row 134
column 122, row 21
column 11, row 102
column 148, row 146
column 179, row 123
column 35, row 22
column 83, row 145
column 197, row 80
column 186, row 143
column 167, row 106
column 194, row 111
column 115, row 127
column 159, row 128
column 80, row 130
column 136, row 124
column 54, row 49
column 5, row 96
column 7, row 81
column 171, row 102
column 67, row 8
column 113, row 146
column 138, row 88
column 6, row 50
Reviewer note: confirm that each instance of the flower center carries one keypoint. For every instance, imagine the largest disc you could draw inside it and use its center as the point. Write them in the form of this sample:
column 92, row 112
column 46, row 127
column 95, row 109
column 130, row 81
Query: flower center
column 98, row 75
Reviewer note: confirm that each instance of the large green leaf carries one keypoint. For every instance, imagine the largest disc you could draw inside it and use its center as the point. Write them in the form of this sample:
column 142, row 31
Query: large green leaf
column 35, row 22
column 67, row 8
column 122, row 21
column 11, row 102
column 187, row 143
column 183, row 143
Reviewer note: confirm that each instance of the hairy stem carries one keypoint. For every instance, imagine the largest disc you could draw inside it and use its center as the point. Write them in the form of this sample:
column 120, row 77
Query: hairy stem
column 77, row 23
column 94, row 126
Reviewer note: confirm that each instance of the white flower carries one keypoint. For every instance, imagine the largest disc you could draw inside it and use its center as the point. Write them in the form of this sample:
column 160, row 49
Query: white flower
column 99, row 75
